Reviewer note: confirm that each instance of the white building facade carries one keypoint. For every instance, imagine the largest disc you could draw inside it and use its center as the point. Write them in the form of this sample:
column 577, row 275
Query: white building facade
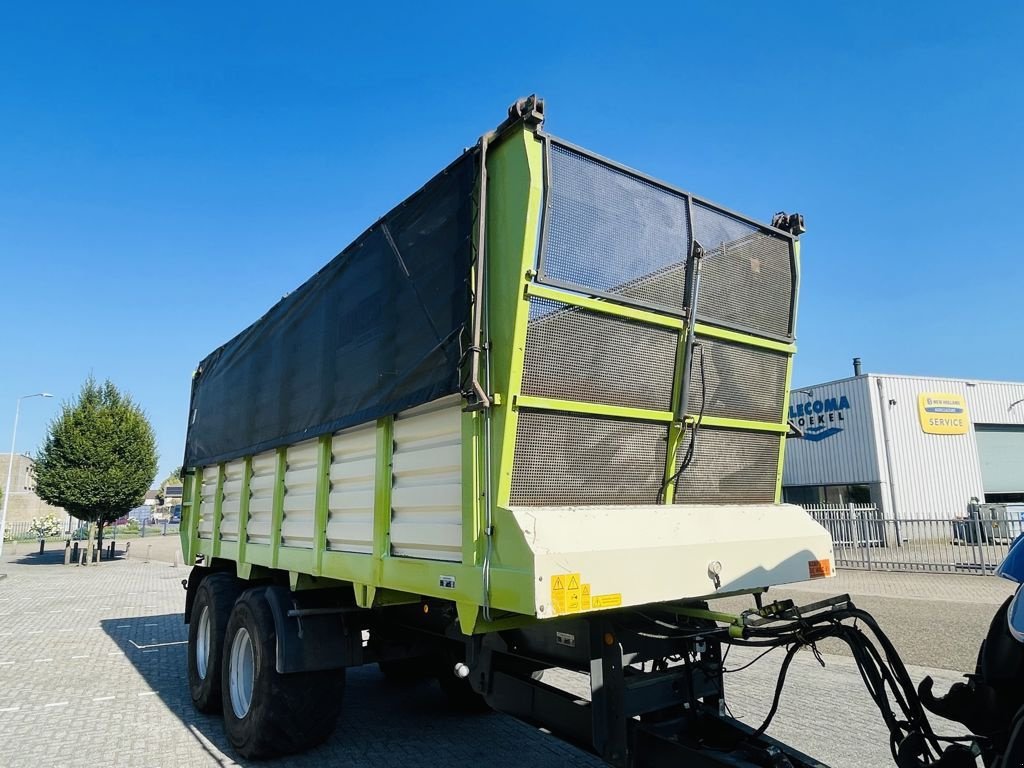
column 916, row 447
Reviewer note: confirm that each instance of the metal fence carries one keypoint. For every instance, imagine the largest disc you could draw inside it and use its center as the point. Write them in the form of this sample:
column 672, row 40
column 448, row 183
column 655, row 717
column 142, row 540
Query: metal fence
column 22, row 531
column 864, row 538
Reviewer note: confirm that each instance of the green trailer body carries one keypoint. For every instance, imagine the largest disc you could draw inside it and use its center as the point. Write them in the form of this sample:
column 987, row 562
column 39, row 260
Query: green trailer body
column 551, row 484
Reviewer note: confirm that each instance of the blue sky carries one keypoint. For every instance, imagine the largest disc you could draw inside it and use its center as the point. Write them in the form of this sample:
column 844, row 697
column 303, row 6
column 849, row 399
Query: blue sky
column 167, row 172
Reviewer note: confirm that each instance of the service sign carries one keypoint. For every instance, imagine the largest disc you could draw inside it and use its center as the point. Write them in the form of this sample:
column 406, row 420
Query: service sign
column 942, row 413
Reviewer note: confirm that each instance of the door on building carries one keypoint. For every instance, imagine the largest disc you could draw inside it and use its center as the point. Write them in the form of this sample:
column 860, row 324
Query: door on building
column 1001, row 454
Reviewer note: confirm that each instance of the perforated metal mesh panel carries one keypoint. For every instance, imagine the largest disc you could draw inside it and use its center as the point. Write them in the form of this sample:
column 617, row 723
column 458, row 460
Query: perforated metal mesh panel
column 614, row 233
column 747, row 275
column 563, row 458
column 730, row 467
column 740, row 382
column 574, row 354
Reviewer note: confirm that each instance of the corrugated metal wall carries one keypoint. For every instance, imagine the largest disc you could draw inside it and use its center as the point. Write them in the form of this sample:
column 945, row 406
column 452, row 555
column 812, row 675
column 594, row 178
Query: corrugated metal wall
column 839, row 443
column 994, row 402
column 932, row 475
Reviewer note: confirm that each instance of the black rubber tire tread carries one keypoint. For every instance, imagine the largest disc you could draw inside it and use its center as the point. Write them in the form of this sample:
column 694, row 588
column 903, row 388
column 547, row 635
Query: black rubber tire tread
column 218, row 591
column 289, row 712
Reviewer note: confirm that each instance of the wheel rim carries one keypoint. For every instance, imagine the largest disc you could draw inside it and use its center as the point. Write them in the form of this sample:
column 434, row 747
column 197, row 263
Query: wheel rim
column 241, row 673
column 203, row 643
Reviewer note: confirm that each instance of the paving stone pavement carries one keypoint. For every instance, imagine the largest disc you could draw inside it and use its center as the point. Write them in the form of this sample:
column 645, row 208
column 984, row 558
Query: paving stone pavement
column 92, row 673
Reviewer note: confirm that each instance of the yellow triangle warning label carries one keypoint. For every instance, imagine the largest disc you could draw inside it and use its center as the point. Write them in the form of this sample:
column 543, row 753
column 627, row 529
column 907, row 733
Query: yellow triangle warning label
column 574, row 582
column 558, row 583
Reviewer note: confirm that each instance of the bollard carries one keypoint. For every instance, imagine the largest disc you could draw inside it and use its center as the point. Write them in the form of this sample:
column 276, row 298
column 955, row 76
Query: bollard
column 127, row 550
column 82, row 560
column 175, row 559
column 149, row 548
column 74, row 551
column 111, row 557
column 42, row 543
column 67, row 551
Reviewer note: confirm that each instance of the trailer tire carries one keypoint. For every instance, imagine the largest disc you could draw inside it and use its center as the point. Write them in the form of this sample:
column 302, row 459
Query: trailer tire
column 267, row 713
column 211, row 608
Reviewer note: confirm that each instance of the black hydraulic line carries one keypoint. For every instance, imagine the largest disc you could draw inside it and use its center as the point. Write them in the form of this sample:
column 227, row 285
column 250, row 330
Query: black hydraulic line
column 882, row 671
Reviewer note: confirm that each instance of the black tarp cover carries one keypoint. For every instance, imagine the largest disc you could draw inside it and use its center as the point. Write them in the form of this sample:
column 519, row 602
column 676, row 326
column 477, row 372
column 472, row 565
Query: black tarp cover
column 376, row 331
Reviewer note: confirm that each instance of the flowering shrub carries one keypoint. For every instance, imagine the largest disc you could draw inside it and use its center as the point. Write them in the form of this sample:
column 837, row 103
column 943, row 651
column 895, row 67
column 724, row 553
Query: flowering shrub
column 44, row 527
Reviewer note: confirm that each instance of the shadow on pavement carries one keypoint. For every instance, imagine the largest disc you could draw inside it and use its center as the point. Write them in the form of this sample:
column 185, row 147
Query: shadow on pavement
column 53, row 554
column 380, row 721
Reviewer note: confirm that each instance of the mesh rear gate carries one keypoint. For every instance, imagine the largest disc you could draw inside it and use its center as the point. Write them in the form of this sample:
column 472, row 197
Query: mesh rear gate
column 568, row 458
column 730, row 466
column 747, row 275
column 739, row 381
column 615, row 235
column 610, row 232
column 575, row 354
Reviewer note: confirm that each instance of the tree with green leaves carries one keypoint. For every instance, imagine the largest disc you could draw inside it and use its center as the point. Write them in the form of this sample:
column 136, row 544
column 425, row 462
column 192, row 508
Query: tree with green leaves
column 99, row 457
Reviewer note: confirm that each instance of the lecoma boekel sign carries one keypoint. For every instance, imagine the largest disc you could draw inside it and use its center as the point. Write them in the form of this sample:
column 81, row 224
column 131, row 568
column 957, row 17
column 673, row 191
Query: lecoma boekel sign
column 942, row 413
column 820, row 419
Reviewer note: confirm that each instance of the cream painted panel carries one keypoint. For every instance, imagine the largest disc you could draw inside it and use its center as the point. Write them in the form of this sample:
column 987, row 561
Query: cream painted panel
column 207, row 498
column 298, row 523
column 350, row 503
column 231, row 505
column 261, row 497
column 426, row 497
column 624, row 556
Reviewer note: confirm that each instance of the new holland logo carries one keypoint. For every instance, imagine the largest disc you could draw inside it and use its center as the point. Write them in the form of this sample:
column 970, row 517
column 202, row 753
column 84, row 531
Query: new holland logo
column 820, row 419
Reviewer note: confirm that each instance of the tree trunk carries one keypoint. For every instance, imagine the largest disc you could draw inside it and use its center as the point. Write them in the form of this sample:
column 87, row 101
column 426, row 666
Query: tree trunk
column 89, row 548
column 99, row 537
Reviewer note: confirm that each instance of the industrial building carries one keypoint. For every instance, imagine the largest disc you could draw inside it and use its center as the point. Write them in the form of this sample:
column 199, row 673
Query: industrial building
column 916, row 447
column 24, row 504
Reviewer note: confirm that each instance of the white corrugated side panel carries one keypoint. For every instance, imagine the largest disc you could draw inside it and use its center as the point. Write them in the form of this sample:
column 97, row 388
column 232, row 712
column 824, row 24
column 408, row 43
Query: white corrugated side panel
column 261, row 497
column 298, row 522
column 995, row 402
column 933, row 475
column 350, row 504
column 207, row 497
column 231, row 503
column 426, row 498
column 839, row 444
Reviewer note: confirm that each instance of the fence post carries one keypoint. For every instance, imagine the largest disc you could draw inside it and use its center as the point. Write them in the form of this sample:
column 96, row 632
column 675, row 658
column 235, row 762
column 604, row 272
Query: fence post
column 867, row 539
column 978, row 539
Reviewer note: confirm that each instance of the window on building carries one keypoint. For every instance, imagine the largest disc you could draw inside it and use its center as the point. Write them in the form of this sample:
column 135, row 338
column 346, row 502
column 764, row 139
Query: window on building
column 1004, row 498
column 826, row 494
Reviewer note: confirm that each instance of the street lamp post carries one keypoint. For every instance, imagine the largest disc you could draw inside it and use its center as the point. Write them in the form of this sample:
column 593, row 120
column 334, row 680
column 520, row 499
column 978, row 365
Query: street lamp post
column 10, row 466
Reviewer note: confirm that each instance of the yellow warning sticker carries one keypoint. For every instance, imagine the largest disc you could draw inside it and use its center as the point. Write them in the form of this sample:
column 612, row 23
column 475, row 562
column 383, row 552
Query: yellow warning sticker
column 569, row 594
column 613, row 600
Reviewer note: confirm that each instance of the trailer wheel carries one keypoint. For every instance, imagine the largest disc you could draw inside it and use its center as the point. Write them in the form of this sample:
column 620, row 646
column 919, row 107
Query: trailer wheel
column 267, row 713
column 215, row 597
